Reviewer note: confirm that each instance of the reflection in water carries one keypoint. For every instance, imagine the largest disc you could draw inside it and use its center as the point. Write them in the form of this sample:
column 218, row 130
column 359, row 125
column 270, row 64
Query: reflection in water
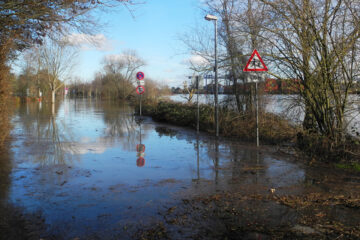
column 198, row 157
column 52, row 138
column 121, row 125
column 55, row 140
column 140, row 148
column 216, row 160
column 5, row 170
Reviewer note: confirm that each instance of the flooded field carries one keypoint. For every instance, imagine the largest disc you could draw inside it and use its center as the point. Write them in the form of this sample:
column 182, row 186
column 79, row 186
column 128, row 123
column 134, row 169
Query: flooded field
column 92, row 168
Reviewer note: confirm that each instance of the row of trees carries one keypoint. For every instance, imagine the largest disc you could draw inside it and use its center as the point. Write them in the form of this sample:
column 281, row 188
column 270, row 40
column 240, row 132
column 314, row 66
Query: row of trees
column 47, row 68
column 27, row 23
column 314, row 42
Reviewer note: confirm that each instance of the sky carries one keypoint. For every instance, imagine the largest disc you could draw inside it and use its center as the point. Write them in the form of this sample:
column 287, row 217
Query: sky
column 154, row 32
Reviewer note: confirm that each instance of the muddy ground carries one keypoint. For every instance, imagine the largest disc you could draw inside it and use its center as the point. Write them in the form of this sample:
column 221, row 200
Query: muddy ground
column 328, row 207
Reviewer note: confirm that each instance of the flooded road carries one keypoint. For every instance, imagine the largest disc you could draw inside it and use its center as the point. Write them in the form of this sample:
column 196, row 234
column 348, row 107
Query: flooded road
column 91, row 166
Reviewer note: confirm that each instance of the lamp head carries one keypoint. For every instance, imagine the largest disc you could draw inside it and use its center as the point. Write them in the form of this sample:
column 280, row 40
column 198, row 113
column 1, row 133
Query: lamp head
column 211, row 17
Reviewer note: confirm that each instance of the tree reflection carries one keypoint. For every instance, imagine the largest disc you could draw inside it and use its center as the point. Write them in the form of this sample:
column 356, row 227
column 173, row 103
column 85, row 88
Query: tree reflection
column 5, row 170
column 121, row 125
column 50, row 139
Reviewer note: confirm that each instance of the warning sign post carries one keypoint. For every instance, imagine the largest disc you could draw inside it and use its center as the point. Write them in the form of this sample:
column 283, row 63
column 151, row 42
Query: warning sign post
column 256, row 64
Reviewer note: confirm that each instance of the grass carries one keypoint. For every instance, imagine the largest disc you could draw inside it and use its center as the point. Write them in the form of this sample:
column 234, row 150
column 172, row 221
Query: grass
column 351, row 166
column 273, row 129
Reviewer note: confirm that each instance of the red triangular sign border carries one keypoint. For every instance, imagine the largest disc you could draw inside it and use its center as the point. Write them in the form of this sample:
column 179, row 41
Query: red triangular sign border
column 247, row 69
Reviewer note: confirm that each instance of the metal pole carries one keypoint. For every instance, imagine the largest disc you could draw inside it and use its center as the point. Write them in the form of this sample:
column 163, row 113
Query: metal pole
column 216, row 85
column 198, row 111
column 257, row 114
column 140, row 105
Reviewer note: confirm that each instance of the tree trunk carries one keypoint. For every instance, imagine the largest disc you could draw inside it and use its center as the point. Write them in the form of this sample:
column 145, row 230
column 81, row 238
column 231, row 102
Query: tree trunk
column 309, row 122
column 52, row 96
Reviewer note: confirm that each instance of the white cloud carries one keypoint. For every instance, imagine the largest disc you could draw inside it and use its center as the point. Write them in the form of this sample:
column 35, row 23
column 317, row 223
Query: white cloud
column 88, row 42
column 197, row 60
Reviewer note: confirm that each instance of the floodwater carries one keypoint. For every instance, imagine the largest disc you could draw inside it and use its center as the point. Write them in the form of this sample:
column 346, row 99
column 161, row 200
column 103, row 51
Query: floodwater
column 91, row 166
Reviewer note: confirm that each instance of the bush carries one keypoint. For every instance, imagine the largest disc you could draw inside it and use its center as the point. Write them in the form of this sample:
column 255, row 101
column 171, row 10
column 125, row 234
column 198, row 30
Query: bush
column 326, row 149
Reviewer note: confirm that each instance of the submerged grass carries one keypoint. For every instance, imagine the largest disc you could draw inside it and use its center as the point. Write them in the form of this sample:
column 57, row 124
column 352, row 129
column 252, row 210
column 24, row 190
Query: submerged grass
column 351, row 166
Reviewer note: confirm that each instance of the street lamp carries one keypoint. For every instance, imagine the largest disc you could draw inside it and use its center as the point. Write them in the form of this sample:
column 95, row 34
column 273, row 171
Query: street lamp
column 209, row 17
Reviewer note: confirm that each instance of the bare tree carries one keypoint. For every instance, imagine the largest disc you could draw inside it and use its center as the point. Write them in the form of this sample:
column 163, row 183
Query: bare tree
column 240, row 27
column 57, row 60
column 121, row 70
column 317, row 43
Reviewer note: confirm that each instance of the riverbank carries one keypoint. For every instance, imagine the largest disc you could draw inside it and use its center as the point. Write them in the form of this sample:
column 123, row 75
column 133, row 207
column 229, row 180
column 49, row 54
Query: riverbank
column 273, row 129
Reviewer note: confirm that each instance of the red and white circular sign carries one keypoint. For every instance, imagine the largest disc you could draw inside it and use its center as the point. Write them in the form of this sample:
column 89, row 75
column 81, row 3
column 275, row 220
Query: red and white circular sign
column 140, row 90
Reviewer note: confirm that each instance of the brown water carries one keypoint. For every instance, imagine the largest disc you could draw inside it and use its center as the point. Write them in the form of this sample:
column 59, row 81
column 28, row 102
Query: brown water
column 79, row 164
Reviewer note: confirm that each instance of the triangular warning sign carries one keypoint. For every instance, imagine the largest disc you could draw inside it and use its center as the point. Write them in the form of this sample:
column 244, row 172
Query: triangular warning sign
column 255, row 63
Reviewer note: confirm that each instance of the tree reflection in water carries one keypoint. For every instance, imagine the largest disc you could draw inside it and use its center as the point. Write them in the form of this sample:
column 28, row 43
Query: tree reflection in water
column 121, row 125
column 53, row 142
column 50, row 140
column 5, row 170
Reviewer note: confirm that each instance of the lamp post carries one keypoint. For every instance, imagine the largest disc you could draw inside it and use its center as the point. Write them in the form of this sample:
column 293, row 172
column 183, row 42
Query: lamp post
column 209, row 17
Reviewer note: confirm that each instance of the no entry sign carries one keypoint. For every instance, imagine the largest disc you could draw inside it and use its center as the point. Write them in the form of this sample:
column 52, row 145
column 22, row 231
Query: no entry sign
column 140, row 90
column 140, row 75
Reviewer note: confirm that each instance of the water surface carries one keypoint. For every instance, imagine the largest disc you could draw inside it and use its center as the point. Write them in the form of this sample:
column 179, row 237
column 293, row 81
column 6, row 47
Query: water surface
column 79, row 164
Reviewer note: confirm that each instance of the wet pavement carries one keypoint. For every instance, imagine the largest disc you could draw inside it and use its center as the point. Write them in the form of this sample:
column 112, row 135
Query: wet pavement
column 91, row 166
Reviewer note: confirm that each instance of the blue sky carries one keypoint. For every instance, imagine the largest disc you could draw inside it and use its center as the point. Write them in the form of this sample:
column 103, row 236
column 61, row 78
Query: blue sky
column 154, row 33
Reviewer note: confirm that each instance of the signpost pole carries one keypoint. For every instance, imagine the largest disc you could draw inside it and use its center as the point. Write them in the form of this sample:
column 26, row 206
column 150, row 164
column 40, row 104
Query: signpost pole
column 140, row 88
column 140, row 104
column 256, row 64
column 257, row 114
column 198, row 111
